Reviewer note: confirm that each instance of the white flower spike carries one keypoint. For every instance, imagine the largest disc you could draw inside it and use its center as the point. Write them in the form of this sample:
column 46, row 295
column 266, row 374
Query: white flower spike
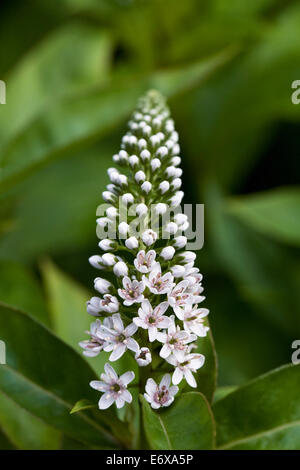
column 150, row 290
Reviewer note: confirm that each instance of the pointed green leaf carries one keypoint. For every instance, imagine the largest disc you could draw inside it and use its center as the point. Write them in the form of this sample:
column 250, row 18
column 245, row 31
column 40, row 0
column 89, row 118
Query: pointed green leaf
column 263, row 414
column 187, row 424
column 275, row 213
column 46, row 377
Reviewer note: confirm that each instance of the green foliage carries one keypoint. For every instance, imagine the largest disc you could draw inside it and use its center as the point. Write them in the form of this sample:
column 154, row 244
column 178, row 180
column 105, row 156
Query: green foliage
column 196, row 429
column 263, row 414
column 73, row 75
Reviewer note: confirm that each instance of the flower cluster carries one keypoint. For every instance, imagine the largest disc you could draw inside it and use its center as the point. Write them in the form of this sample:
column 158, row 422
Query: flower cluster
column 150, row 291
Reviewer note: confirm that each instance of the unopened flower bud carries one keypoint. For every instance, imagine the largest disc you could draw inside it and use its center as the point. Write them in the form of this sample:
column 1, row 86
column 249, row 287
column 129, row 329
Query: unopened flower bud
column 140, row 176
column 132, row 243
column 178, row 270
column 106, row 244
column 102, row 285
column 180, row 241
column 120, row 269
column 164, row 186
column 96, row 261
column 149, row 237
column 167, row 252
column 146, row 186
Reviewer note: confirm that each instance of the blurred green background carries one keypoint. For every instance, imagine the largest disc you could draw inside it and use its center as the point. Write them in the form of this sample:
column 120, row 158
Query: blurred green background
column 74, row 70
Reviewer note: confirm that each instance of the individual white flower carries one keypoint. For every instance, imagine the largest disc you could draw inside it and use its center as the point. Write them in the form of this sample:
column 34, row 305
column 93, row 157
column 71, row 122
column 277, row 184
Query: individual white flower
column 140, row 176
column 157, row 283
column 123, row 156
column 161, row 208
column 131, row 243
column 117, row 338
column 109, row 304
column 106, row 244
column 151, row 319
column 164, row 186
column 145, row 262
column 175, row 200
column 141, row 209
column 123, row 229
column 114, row 388
column 120, row 269
column 145, row 155
column 180, row 241
column 94, row 345
column 127, row 198
column 146, row 186
column 188, row 257
column 177, row 270
column 108, row 259
column 193, row 320
column 102, row 285
column 167, row 253
column 133, row 160
column 143, row 357
column 108, row 196
column 162, row 394
column 155, row 164
column 149, row 237
column 171, row 228
column 174, row 341
column 96, row 261
column 132, row 291
column 180, row 219
column 93, row 306
column 111, row 212
column 176, row 161
column 162, row 152
column 185, row 367
column 179, row 297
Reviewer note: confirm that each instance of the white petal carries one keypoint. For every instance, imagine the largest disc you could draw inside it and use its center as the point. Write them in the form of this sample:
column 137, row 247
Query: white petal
column 173, row 390
column 165, row 381
column 117, row 352
column 152, row 332
column 120, row 402
column 177, row 376
column 127, row 377
column 132, row 345
column 126, row 395
column 118, row 324
column 146, row 306
column 110, row 371
column 150, row 387
column 165, row 351
column 130, row 329
column 190, row 378
column 106, row 401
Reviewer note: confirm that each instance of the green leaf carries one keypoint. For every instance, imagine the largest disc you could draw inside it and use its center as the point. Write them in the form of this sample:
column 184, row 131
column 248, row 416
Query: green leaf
column 46, row 377
column 25, row 430
column 67, row 305
column 275, row 213
column 73, row 122
column 222, row 392
column 255, row 264
column 51, row 72
column 264, row 414
column 19, row 288
column 187, row 424
column 82, row 405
